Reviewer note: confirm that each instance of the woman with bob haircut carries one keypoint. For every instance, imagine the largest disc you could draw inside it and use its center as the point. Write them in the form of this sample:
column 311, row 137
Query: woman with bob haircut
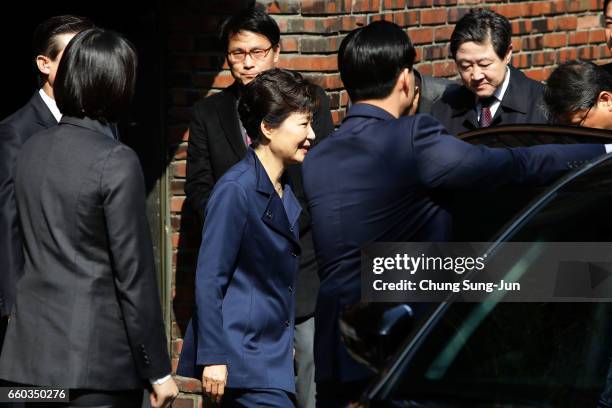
column 87, row 316
column 241, row 336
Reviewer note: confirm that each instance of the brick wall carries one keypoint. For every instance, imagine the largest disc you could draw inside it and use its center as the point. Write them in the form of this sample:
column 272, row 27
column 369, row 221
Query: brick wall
column 546, row 33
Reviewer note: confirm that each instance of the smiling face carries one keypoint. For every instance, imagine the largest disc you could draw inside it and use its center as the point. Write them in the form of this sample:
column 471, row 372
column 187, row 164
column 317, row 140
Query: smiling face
column 480, row 68
column 246, row 67
column 292, row 139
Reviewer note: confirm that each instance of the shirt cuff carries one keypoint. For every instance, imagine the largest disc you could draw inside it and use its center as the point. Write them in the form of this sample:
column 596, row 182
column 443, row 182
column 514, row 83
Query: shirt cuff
column 160, row 381
column 608, row 147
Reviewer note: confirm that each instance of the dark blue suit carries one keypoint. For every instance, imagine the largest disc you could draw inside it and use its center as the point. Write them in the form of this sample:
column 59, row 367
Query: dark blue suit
column 378, row 178
column 245, row 282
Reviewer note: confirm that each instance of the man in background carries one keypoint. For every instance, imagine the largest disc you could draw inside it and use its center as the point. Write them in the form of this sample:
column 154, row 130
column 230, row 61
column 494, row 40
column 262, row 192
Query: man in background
column 493, row 92
column 41, row 112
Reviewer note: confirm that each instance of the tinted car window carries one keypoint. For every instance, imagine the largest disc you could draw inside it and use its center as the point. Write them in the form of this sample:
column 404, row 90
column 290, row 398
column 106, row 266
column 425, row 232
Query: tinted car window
column 525, row 354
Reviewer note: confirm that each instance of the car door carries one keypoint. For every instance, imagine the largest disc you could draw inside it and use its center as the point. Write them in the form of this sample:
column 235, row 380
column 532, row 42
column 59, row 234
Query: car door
column 517, row 354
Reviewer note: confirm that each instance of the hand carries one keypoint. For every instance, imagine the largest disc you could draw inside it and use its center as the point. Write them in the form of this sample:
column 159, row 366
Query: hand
column 163, row 394
column 214, row 378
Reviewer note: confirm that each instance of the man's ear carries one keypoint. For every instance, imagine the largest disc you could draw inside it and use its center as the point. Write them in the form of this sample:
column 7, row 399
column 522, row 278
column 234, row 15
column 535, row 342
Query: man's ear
column 276, row 49
column 44, row 64
column 605, row 98
column 508, row 56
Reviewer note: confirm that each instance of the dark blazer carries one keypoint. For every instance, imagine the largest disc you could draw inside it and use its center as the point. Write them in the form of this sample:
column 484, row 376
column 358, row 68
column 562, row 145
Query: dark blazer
column 87, row 313
column 14, row 131
column 378, row 178
column 216, row 144
column 522, row 103
column 432, row 89
column 247, row 270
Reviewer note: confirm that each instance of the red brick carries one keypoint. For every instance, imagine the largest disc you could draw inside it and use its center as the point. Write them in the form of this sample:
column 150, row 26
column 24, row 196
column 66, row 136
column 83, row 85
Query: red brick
column 213, row 80
column 325, row 7
column 176, row 203
column 183, row 402
column 425, row 68
column 419, row 3
column 289, row 44
column 455, row 13
column 520, row 61
column 567, row 54
column 522, row 27
column 337, row 116
column 555, row 40
column 597, row 36
column 283, row 7
column 558, row 6
column 421, row 35
column 539, row 74
column 394, row 4
column 309, row 63
column 188, row 385
column 178, row 169
column 181, row 152
column 443, row 33
column 344, row 98
column 540, row 8
column 349, row 23
column 587, row 22
column 327, row 81
column 512, row 10
column 517, row 44
column 434, row 16
column 175, row 239
column 566, row 23
column 446, row 2
column 574, row 6
column 320, row 44
column 177, row 187
column 444, row 68
column 362, row 6
column 578, row 37
column 406, row 18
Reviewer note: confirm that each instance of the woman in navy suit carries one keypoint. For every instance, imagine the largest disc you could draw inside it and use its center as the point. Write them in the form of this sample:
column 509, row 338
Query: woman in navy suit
column 242, row 331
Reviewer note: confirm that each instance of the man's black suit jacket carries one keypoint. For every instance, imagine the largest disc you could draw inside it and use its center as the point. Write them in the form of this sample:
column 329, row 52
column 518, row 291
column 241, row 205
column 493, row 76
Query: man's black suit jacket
column 87, row 313
column 14, row 131
column 216, row 144
column 522, row 103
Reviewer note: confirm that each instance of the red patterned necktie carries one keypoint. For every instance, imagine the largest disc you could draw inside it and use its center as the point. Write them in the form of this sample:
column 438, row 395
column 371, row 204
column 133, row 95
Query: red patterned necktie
column 485, row 112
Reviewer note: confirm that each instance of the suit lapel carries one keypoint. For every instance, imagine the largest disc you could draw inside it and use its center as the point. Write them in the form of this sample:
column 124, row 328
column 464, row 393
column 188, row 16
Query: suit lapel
column 513, row 100
column 228, row 116
column 465, row 107
column 274, row 215
column 44, row 117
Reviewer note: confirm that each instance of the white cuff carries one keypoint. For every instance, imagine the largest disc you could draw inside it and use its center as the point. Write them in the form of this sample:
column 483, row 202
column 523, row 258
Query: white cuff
column 160, row 381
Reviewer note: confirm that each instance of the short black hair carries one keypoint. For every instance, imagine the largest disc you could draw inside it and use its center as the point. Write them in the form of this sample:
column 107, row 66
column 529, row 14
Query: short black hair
column 252, row 19
column 96, row 76
column 44, row 41
column 574, row 86
column 371, row 58
column 271, row 97
column 479, row 26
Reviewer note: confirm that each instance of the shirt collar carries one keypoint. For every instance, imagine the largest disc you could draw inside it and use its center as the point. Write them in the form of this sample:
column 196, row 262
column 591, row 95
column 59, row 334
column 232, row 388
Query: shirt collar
column 51, row 104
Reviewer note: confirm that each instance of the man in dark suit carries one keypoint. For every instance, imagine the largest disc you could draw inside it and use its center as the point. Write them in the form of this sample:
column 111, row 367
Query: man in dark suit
column 493, row 92
column 579, row 93
column 40, row 113
column 217, row 141
column 384, row 177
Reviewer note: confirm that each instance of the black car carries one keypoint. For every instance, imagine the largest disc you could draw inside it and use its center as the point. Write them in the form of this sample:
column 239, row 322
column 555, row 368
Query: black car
column 497, row 354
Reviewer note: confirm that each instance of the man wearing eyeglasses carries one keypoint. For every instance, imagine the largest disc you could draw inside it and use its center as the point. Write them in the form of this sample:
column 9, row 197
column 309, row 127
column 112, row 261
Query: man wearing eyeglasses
column 579, row 93
column 217, row 141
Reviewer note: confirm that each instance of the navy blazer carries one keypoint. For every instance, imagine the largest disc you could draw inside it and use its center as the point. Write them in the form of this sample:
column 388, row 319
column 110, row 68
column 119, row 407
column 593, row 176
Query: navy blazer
column 33, row 117
column 378, row 178
column 522, row 103
column 245, row 282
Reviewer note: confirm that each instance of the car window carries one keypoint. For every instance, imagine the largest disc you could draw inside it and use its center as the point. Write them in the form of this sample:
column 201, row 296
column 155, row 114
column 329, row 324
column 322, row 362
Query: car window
column 530, row 354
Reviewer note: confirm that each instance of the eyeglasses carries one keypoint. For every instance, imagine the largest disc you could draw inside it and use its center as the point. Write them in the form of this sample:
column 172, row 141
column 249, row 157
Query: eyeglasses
column 586, row 115
column 255, row 54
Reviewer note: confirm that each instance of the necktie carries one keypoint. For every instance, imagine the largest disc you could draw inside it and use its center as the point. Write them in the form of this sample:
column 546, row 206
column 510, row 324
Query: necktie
column 485, row 111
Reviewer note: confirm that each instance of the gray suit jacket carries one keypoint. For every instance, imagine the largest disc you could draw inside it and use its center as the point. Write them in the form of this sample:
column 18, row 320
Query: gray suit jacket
column 87, row 313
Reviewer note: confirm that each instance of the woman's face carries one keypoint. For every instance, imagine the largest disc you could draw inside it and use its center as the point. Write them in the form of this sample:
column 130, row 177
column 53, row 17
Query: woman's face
column 293, row 138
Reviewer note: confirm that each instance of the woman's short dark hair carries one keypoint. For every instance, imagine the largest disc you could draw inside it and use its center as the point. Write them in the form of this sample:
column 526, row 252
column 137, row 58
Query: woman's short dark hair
column 574, row 86
column 271, row 97
column 96, row 76
column 479, row 26
column 254, row 20
column 371, row 58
